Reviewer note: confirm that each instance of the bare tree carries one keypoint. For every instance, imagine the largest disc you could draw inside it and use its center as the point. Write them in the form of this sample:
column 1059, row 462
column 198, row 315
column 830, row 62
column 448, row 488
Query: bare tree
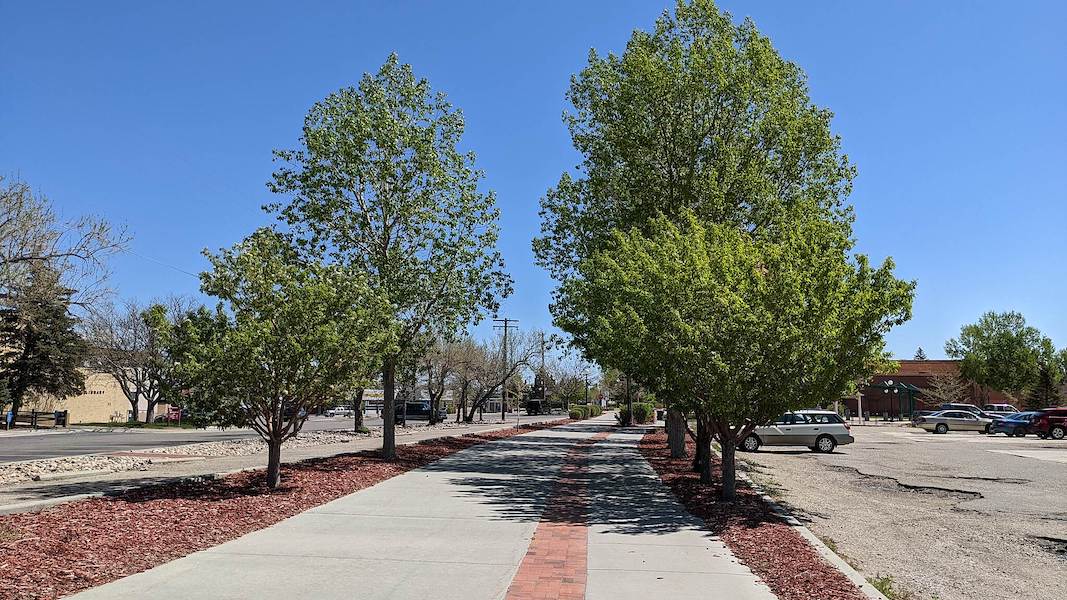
column 33, row 235
column 484, row 374
column 126, row 346
column 945, row 388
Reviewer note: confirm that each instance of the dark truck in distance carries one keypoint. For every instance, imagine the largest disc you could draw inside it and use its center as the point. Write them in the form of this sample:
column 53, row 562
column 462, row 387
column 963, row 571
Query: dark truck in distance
column 418, row 411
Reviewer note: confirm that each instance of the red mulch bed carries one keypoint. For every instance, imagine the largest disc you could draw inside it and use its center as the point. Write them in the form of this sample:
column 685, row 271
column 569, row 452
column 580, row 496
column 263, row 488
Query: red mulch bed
column 79, row 545
column 780, row 556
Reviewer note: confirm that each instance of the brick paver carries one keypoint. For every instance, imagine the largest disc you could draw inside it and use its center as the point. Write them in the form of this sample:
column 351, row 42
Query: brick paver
column 555, row 565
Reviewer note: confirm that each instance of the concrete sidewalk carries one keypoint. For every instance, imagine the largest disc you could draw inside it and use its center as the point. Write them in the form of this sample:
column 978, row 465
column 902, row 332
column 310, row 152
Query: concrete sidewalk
column 570, row 512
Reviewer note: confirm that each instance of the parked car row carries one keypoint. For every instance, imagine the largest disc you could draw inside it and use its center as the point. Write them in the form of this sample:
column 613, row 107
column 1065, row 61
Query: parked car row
column 1048, row 423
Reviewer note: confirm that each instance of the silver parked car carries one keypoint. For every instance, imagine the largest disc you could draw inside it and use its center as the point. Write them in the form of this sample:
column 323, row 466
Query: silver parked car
column 954, row 420
column 820, row 430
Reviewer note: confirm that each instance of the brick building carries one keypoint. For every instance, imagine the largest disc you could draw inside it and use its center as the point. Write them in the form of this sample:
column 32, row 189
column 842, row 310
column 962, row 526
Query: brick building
column 879, row 399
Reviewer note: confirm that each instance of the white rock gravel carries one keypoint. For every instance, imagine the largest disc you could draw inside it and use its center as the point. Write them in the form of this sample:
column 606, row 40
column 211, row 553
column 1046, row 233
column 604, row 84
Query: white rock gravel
column 30, row 470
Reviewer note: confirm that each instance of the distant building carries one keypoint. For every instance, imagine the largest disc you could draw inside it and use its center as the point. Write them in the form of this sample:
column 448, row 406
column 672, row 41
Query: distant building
column 102, row 402
column 879, row 399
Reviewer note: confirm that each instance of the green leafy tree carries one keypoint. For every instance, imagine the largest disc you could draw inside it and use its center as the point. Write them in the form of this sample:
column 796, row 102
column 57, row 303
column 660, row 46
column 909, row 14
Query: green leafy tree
column 41, row 352
column 302, row 335
column 739, row 326
column 188, row 336
column 697, row 114
column 920, row 354
column 1001, row 352
column 379, row 186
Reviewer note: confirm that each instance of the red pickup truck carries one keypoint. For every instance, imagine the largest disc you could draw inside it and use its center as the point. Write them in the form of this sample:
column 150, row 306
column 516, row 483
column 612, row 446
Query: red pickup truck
column 1050, row 423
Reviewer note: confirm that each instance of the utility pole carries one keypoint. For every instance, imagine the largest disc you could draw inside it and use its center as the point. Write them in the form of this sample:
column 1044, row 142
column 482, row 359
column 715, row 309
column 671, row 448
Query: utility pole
column 506, row 323
column 544, row 386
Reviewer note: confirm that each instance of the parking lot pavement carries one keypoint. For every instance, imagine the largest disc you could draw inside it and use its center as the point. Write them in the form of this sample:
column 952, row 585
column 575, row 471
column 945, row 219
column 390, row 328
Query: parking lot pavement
column 953, row 516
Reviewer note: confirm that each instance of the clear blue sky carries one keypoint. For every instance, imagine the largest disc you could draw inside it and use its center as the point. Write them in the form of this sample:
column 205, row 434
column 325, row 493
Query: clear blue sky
column 162, row 116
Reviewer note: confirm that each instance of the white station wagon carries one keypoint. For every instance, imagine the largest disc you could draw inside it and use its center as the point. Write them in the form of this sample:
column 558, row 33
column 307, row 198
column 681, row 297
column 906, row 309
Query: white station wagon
column 819, row 430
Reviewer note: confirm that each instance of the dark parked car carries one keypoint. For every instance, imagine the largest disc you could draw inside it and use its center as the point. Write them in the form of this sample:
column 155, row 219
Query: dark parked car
column 1051, row 423
column 418, row 411
column 1017, row 424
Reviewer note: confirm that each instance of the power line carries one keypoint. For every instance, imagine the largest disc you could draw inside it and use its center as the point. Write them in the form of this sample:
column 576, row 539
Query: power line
column 159, row 262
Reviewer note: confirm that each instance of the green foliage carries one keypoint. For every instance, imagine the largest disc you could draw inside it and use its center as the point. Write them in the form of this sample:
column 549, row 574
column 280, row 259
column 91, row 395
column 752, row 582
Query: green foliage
column 1002, row 352
column 920, row 354
column 40, row 350
column 301, row 336
column 577, row 413
column 380, row 187
column 644, row 412
column 595, row 410
column 746, row 325
column 699, row 114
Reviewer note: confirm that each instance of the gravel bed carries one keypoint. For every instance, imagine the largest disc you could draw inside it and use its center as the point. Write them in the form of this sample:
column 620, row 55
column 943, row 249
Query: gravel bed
column 71, row 547
column 775, row 552
column 31, row 470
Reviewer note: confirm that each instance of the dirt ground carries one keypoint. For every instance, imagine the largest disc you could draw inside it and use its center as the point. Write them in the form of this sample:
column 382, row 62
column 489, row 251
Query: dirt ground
column 949, row 517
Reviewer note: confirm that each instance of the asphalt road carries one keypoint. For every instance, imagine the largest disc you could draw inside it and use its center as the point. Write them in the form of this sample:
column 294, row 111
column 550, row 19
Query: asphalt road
column 50, row 445
column 953, row 517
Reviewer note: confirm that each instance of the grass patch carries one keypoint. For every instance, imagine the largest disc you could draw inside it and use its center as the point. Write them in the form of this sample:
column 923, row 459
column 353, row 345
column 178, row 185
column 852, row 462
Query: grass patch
column 890, row 588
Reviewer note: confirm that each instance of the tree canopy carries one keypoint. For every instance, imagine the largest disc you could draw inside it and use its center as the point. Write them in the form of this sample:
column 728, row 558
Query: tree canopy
column 698, row 114
column 380, row 186
column 301, row 336
column 1000, row 351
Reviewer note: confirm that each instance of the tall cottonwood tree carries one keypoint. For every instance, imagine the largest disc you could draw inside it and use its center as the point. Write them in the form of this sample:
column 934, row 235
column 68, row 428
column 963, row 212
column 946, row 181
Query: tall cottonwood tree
column 301, row 336
column 380, row 186
column 698, row 120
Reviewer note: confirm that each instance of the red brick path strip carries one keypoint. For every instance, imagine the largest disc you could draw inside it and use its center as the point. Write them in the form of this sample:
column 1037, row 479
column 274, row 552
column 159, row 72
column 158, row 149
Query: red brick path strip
column 555, row 563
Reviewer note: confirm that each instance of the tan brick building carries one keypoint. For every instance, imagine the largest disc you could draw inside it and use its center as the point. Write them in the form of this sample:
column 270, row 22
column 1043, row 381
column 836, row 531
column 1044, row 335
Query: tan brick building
column 102, row 402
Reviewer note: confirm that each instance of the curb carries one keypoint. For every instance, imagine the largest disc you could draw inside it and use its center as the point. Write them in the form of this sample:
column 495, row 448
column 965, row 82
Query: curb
column 829, row 555
column 70, row 474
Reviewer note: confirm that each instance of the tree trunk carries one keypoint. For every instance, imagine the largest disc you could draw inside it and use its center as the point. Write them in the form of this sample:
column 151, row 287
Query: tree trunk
column 357, row 407
column 389, row 409
column 729, row 482
column 274, row 463
column 676, row 433
column 702, row 460
column 149, row 412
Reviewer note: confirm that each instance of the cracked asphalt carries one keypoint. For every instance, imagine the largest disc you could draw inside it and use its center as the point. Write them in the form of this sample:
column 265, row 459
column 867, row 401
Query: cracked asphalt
column 952, row 517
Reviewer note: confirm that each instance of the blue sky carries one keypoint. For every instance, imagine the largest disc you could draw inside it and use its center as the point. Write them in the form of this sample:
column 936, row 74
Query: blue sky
column 162, row 116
